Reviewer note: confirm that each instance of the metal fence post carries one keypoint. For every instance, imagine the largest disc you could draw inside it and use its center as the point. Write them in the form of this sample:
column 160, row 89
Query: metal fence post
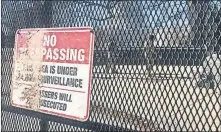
column 44, row 125
column 149, row 49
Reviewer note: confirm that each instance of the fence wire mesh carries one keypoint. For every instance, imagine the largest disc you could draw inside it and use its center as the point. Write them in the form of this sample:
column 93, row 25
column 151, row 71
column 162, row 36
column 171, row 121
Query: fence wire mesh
column 156, row 64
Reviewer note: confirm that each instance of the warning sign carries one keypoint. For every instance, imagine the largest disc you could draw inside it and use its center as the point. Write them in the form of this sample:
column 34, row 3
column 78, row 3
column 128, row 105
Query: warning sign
column 52, row 71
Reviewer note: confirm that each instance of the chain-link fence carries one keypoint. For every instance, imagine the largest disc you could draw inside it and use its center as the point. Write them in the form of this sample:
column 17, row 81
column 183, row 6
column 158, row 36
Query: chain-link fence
column 156, row 64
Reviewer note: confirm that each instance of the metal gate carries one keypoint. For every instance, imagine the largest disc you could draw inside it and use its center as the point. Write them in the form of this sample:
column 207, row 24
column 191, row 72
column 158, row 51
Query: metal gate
column 156, row 64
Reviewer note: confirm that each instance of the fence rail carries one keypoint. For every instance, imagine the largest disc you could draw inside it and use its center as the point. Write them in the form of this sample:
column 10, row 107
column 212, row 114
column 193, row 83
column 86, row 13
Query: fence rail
column 156, row 64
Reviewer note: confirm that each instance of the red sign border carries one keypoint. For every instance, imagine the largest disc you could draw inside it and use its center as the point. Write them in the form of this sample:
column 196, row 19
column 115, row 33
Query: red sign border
column 74, row 29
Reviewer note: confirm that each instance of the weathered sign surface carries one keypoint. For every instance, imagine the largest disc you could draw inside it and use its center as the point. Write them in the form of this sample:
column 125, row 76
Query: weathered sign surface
column 52, row 71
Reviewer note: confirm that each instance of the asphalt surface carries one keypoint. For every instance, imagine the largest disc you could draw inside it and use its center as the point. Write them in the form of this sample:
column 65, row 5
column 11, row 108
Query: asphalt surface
column 173, row 102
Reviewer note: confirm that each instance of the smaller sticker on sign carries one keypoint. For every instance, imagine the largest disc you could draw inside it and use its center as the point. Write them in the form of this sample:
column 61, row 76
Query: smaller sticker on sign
column 52, row 71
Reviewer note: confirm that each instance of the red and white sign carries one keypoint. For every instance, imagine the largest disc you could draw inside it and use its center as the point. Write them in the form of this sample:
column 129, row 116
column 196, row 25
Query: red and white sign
column 52, row 71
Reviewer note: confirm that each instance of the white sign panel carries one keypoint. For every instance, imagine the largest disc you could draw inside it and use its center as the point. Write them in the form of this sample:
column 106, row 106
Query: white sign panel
column 52, row 71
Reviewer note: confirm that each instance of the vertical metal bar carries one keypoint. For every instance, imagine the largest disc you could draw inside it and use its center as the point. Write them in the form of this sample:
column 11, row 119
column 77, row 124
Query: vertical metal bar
column 149, row 49
column 46, row 13
column 44, row 125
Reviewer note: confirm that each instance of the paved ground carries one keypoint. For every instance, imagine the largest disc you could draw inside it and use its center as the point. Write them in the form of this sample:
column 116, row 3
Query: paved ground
column 172, row 102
